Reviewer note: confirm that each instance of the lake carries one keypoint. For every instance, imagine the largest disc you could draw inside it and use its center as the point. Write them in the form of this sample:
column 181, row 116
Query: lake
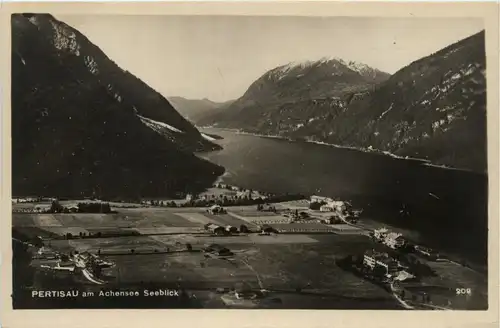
column 449, row 207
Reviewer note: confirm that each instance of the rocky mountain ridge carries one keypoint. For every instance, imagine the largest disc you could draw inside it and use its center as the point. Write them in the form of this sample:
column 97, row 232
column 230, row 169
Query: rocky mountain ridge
column 82, row 125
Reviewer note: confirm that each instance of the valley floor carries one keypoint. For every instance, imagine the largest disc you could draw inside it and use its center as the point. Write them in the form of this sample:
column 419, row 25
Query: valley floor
column 149, row 248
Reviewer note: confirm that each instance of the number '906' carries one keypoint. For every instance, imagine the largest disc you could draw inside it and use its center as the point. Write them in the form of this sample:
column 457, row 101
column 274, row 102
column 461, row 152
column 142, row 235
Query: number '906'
column 464, row 291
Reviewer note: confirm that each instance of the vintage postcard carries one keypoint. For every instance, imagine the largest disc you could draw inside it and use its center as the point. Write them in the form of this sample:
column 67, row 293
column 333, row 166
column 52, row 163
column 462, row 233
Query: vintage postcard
column 250, row 157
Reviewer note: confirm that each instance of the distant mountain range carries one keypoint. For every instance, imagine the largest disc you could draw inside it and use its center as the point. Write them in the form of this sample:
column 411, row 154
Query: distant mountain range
column 197, row 109
column 81, row 125
column 434, row 108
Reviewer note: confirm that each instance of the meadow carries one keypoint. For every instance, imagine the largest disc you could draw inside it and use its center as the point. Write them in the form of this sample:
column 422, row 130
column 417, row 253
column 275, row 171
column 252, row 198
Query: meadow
column 150, row 245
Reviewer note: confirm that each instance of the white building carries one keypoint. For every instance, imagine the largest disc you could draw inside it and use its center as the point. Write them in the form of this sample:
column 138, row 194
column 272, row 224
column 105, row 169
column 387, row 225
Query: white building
column 338, row 205
column 320, row 199
column 403, row 275
column 332, row 206
column 380, row 233
column 373, row 259
column 389, row 238
column 394, row 240
column 326, row 208
column 216, row 209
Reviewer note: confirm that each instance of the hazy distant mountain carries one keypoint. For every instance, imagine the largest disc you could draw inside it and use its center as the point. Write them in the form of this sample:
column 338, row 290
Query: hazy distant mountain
column 435, row 108
column 196, row 109
column 81, row 124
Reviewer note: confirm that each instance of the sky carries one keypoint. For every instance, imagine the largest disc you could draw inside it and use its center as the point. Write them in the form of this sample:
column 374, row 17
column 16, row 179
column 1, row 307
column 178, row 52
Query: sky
column 218, row 57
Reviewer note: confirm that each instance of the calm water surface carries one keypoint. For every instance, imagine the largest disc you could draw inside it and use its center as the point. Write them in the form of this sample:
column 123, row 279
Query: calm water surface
column 449, row 206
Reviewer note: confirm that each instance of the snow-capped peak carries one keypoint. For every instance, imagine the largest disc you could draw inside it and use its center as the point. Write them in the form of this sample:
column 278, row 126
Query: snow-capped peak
column 360, row 68
column 295, row 64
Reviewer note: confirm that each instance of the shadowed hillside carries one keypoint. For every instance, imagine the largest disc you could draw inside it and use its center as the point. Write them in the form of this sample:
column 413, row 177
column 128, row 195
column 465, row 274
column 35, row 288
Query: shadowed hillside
column 82, row 125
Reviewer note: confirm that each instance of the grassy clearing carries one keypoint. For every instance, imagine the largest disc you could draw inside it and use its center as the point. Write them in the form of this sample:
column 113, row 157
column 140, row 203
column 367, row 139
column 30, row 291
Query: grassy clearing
column 23, row 220
column 282, row 239
column 192, row 270
column 62, row 231
column 200, row 241
column 226, row 219
column 47, row 220
column 315, row 271
column 61, row 245
column 250, row 214
column 281, row 263
column 165, row 217
column 196, row 218
column 87, row 220
column 167, row 230
column 125, row 244
column 125, row 219
column 32, row 232
column 294, row 204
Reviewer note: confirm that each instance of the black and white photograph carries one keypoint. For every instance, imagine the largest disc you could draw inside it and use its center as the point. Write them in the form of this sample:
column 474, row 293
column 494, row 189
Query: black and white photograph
column 248, row 162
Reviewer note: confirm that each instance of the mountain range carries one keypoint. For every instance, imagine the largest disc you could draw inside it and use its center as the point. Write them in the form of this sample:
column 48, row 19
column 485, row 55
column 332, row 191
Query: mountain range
column 434, row 108
column 282, row 90
column 81, row 125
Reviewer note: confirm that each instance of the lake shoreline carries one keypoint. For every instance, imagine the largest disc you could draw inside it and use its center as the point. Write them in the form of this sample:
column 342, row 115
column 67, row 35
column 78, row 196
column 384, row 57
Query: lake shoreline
column 421, row 161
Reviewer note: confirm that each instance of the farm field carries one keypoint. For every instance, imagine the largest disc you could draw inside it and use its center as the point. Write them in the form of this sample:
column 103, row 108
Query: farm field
column 294, row 205
column 270, row 266
column 118, row 244
column 126, row 218
column 160, row 243
column 149, row 245
column 200, row 241
column 273, row 267
column 251, row 213
column 226, row 219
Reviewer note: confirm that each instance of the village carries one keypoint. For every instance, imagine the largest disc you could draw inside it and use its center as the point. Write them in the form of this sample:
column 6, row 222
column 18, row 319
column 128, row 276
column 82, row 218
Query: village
column 91, row 238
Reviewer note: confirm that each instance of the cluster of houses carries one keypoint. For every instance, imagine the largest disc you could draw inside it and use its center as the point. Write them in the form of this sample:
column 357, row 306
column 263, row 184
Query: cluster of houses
column 31, row 200
column 216, row 249
column 218, row 230
column 45, row 209
column 391, row 239
column 230, row 192
column 44, row 253
column 338, row 208
column 329, row 204
column 55, row 207
column 34, row 209
column 266, row 208
column 216, row 209
column 397, row 241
